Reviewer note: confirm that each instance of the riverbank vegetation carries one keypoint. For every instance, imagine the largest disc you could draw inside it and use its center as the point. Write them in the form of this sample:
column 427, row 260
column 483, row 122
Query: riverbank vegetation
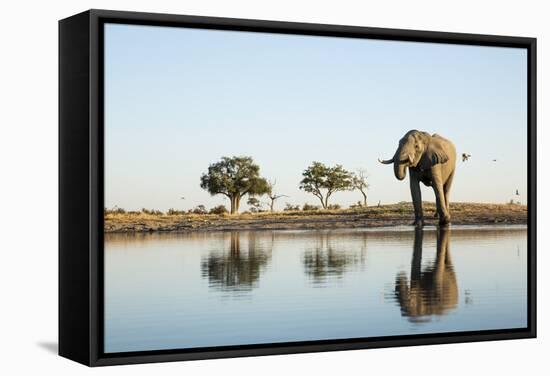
column 216, row 219
column 239, row 176
column 235, row 177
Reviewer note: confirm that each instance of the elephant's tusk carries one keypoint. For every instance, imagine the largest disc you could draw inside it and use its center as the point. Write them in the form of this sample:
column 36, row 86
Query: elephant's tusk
column 387, row 161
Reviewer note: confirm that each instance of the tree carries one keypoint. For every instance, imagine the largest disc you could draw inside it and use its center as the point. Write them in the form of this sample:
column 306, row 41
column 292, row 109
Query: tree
column 272, row 195
column 255, row 204
column 359, row 182
column 234, row 177
column 322, row 181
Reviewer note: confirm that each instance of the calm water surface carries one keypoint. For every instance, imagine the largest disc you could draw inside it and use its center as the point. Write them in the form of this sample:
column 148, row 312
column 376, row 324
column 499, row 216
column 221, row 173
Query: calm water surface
column 169, row 291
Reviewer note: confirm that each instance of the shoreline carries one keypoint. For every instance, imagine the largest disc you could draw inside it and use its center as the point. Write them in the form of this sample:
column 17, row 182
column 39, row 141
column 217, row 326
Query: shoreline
column 393, row 215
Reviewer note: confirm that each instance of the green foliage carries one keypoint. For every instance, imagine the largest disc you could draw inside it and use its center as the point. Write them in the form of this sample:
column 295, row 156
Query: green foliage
column 234, row 177
column 308, row 207
column 255, row 205
column 220, row 209
column 253, row 201
column 322, row 181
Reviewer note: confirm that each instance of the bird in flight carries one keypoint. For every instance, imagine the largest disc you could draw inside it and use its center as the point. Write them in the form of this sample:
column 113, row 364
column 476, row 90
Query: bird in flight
column 465, row 157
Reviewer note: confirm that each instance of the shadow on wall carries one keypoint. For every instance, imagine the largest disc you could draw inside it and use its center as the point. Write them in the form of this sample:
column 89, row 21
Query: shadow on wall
column 50, row 347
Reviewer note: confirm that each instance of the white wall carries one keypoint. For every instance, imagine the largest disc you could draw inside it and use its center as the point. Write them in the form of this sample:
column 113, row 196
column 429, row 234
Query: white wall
column 28, row 184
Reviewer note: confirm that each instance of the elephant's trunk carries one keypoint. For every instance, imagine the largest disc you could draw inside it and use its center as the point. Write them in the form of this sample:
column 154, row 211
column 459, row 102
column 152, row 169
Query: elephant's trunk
column 399, row 166
column 400, row 162
column 399, row 169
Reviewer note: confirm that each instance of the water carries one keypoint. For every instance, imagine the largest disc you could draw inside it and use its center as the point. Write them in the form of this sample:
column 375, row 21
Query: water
column 173, row 291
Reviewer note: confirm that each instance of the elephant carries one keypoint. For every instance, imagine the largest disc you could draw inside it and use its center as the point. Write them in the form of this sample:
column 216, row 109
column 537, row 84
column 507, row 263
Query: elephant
column 431, row 160
column 432, row 291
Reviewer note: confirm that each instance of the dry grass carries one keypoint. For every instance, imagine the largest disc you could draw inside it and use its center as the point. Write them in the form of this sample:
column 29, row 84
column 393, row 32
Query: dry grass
column 384, row 215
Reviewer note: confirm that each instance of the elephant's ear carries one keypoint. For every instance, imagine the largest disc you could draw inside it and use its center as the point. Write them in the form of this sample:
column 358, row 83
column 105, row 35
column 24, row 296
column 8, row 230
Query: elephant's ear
column 438, row 154
column 433, row 155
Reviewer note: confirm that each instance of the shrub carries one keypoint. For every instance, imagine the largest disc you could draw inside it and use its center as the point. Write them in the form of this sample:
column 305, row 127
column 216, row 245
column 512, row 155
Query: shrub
column 199, row 209
column 114, row 210
column 290, row 207
column 308, row 207
column 151, row 211
column 334, row 207
column 359, row 205
column 172, row 211
column 220, row 209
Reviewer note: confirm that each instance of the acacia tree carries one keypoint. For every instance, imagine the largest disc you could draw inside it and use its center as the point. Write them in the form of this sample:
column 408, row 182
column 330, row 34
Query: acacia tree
column 322, row 181
column 272, row 195
column 234, row 177
column 359, row 182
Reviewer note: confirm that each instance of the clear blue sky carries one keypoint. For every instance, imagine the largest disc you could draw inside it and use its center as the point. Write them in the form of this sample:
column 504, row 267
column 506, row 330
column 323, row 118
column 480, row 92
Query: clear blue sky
column 176, row 100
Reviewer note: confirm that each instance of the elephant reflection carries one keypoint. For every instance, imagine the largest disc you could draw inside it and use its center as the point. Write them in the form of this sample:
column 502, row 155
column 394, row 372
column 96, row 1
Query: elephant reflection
column 328, row 259
column 236, row 269
column 433, row 291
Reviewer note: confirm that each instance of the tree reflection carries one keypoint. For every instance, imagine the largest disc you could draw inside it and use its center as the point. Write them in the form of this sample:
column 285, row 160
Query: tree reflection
column 329, row 259
column 236, row 269
column 433, row 291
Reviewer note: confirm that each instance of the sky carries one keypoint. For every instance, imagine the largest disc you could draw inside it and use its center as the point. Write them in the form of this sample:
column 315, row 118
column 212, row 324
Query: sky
column 177, row 100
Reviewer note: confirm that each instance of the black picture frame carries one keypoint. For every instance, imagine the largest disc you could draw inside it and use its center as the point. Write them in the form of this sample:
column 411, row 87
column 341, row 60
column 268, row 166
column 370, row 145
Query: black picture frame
column 81, row 182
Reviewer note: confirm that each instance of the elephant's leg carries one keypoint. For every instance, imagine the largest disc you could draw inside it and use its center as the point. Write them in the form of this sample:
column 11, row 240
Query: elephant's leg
column 416, row 195
column 447, row 191
column 444, row 217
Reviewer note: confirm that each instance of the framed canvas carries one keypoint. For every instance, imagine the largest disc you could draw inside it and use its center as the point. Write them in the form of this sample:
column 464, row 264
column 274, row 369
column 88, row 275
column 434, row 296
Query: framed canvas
column 233, row 187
